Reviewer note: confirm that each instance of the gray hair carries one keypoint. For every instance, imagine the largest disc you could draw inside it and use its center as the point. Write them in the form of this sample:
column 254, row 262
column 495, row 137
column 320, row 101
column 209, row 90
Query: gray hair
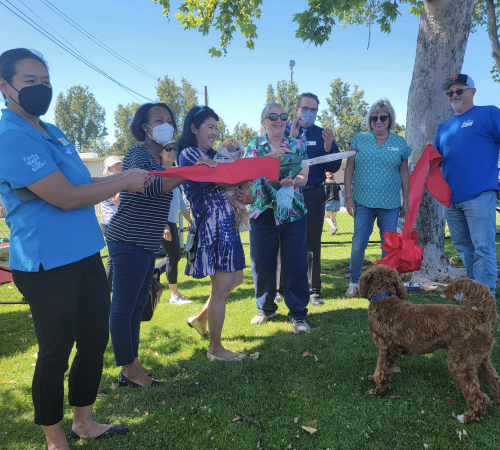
column 268, row 107
column 381, row 105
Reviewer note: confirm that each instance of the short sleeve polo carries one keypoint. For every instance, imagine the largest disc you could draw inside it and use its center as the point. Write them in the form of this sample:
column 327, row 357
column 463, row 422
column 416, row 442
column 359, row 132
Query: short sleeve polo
column 41, row 233
column 377, row 181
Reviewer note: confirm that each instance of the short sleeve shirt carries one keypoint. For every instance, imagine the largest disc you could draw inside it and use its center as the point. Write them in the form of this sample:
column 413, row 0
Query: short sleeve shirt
column 265, row 194
column 41, row 233
column 377, row 181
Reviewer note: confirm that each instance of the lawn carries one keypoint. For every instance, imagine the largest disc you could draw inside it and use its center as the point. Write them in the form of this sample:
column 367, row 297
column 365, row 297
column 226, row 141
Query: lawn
column 316, row 380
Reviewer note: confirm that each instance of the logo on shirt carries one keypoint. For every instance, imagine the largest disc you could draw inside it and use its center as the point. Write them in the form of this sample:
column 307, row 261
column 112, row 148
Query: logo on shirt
column 34, row 162
column 467, row 123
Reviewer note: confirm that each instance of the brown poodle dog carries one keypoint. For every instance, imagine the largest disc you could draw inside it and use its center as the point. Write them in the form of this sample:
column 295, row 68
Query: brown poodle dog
column 400, row 328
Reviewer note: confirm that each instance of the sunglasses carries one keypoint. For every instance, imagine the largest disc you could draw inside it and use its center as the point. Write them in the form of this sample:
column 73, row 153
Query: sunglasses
column 202, row 108
column 449, row 94
column 374, row 119
column 273, row 117
column 169, row 149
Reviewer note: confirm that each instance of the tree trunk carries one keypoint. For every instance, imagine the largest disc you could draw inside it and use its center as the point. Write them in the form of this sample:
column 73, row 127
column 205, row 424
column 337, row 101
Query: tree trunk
column 493, row 32
column 442, row 40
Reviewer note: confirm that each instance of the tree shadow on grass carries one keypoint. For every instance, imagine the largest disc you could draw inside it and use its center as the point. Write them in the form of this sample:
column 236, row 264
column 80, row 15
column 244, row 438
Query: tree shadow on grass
column 14, row 327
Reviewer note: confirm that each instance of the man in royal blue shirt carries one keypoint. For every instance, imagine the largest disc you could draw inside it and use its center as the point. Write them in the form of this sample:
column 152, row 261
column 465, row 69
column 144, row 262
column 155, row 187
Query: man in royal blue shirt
column 469, row 142
column 319, row 142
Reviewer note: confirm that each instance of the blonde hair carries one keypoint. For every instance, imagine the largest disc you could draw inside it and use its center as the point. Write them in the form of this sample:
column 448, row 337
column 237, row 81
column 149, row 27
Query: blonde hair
column 106, row 172
column 381, row 105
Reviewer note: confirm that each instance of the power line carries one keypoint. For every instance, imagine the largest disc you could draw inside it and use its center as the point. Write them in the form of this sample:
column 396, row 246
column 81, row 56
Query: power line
column 94, row 39
column 82, row 58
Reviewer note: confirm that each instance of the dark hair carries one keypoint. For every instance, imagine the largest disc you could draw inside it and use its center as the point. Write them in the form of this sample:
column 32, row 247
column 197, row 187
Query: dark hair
column 308, row 95
column 142, row 116
column 10, row 58
column 197, row 116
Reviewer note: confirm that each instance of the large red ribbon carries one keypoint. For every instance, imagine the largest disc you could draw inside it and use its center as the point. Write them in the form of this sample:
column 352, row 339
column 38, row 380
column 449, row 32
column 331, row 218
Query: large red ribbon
column 403, row 253
column 230, row 173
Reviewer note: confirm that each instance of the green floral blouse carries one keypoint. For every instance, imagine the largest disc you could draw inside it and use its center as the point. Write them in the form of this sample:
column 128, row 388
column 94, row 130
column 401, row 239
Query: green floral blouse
column 265, row 194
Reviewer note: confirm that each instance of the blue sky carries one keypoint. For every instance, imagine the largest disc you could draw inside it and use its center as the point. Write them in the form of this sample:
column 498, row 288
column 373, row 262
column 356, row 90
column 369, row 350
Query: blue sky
column 237, row 83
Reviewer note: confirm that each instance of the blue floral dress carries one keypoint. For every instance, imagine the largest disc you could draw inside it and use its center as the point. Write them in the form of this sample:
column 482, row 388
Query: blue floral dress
column 219, row 242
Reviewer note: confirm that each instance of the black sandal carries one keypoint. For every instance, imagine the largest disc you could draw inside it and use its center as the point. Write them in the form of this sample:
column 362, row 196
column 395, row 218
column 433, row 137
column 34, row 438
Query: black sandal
column 114, row 430
column 124, row 381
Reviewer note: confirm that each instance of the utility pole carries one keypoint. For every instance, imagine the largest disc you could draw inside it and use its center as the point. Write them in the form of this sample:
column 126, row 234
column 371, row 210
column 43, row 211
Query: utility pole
column 291, row 64
column 206, row 95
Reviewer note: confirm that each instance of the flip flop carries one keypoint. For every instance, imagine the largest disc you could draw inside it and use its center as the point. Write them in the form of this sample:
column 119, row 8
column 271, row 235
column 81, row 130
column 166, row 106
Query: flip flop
column 193, row 323
column 238, row 357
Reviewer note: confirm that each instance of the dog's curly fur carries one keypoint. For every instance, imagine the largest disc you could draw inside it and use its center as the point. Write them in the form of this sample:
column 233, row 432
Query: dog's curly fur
column 466, row 331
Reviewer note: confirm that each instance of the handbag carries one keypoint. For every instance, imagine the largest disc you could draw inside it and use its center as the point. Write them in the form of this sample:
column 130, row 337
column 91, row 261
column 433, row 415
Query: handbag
column 192, row 237
column 155, row 291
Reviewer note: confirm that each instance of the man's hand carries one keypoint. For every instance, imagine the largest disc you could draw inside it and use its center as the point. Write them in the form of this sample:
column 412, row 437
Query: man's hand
column 294, row 128
column 327, row 135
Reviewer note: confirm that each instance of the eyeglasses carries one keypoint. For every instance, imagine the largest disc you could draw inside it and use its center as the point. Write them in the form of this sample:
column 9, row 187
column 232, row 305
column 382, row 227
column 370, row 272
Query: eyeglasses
column 169, row 149
column 273, row 117
column 305, row 108
column 449, row 94
column 374, row 119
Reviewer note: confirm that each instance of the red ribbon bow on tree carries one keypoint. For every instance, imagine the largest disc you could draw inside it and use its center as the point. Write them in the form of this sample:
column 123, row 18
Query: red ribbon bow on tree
column 403, row 253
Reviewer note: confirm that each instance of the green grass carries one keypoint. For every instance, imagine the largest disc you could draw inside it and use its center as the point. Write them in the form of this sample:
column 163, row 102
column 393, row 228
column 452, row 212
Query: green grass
column 328, row 390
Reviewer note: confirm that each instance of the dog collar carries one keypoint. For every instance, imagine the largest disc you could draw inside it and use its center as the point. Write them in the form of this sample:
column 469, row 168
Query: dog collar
column 382, row 294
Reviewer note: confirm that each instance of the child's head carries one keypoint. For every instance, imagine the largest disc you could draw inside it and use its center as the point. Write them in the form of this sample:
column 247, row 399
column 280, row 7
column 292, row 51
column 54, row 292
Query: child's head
column 329, row 176
column 231, row 149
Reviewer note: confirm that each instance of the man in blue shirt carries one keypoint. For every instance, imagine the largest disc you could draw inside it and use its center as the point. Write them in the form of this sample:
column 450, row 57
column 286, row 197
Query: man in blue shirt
column 319, row 142
column 469, row 142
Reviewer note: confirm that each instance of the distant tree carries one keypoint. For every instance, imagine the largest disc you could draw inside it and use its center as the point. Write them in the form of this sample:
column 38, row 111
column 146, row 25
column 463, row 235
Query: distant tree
column 80, row 116
column 244, row 133
column 345, row 113
column 99, row 145
column 400, row 130
column 180, row 98
column 270, row 96
column 223, row 133
column 124, row 138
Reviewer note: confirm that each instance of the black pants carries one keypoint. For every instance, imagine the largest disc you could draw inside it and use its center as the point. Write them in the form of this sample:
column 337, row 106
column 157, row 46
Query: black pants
column 315, row 202
column 69, row 303
column 172, row 249
column 109, row 265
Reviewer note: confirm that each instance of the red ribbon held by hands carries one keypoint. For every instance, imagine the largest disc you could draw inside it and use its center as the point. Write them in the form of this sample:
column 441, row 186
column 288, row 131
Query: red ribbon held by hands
column 230, row 173
column 403, row 253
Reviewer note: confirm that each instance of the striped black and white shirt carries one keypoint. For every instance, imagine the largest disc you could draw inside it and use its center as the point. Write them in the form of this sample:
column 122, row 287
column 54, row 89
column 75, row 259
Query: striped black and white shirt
column 141, row 217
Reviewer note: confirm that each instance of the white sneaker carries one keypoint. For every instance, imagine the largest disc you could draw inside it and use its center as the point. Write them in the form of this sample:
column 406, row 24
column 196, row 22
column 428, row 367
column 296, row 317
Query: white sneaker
column 178, row 299
column 334, row 230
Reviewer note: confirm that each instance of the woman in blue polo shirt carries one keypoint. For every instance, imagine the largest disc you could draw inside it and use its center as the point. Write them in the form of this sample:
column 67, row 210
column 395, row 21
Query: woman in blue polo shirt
column 54, row 247
column 376, row 179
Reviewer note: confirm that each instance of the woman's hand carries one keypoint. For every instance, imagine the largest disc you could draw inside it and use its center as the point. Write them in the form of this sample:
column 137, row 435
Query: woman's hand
column 207, row 162
column 167, row 235
column 287, row 182
column 349, row 204
column 244, row 195
column 404, row 209
column 279, row 153
column 137, row 180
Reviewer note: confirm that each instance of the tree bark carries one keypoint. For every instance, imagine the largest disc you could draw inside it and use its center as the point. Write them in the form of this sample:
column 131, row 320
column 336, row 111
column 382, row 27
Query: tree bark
column 493, row 31
column 442, row 40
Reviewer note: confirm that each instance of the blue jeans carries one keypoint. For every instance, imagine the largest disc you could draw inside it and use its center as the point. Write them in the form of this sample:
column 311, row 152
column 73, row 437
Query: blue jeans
column 265, row 238
column 132, row 275
column 364, row 217
column 472, row 226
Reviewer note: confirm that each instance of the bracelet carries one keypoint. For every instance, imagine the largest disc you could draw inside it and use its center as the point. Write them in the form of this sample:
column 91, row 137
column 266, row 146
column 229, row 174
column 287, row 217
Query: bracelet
column 350, row 198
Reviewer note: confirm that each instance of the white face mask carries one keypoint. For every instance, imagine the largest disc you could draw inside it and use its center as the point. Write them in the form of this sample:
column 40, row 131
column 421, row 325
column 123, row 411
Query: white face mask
column 162, row 134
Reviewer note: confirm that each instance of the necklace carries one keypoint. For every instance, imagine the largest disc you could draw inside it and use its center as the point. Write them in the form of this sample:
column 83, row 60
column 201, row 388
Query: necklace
column 381, row 139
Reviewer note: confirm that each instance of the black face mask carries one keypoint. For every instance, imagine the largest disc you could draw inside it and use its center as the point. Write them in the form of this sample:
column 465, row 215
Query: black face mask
column 35, row 100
